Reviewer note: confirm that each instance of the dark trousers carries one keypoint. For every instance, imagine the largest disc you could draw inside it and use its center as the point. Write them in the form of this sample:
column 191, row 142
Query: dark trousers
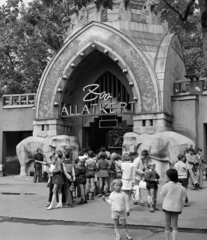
column 68, row 193
column 38, row 173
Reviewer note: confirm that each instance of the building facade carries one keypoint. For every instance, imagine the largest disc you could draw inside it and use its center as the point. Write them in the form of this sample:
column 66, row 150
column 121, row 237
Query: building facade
column 117, row 72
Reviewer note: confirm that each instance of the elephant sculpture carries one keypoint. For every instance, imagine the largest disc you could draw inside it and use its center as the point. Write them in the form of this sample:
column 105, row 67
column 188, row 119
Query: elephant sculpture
column 163, row 147
column 28, row 147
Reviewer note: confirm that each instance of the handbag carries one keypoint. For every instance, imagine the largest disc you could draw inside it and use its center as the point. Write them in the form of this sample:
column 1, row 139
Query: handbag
column 72, row 187
column 142, row 185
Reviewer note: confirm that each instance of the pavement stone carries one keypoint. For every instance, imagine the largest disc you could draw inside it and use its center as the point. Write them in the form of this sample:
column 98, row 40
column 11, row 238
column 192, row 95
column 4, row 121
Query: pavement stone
column 32, row 207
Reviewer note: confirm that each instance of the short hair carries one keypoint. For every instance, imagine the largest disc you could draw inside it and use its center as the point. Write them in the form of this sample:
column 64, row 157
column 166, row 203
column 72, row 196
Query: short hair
column 133, row 154
column 85, row 150
column 117, row 157
column 81, row 153
column 103, row 149
column 91, row 154
column 145, row 153
column 116, row 181
column 60, row 154
column 151, row 164
column 39, row 149
column 103, row 155
column 125, row 157
column 172, row 175
column 180, row 156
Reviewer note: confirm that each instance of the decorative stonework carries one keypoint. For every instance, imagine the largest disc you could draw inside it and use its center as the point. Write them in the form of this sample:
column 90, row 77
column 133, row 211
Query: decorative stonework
column 149, row 12
column 125, row 11
column 142, row 11
column 133, row 56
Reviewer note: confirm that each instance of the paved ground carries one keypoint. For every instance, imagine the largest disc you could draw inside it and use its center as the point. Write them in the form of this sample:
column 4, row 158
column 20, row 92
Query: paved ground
column 22, row 207
column 19, row 231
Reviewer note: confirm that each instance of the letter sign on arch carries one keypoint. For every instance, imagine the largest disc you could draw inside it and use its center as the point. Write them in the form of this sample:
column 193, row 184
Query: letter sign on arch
column 92, row 90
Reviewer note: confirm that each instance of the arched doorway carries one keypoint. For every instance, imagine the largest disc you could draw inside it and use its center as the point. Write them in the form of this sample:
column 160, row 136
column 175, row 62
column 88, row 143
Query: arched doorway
column 92, row 115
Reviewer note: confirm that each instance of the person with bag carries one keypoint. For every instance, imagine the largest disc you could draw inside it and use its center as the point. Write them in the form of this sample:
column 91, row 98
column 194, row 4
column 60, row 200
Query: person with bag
column 57, row 180
column 140, row 167
column 90, row 175
column 69, row 177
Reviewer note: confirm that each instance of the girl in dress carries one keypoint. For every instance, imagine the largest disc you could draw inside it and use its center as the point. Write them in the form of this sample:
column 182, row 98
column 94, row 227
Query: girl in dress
column 127, row 173
column 57, row 180
column 174, row 199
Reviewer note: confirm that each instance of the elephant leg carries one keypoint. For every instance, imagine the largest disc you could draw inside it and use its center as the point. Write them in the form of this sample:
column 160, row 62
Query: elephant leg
column 22, row 156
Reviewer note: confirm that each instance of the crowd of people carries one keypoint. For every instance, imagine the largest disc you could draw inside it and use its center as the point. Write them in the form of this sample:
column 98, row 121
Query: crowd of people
column 122, row 178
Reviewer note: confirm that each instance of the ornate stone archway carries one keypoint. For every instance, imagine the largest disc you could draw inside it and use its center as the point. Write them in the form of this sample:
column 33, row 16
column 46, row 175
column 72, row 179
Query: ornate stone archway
column 127, row 55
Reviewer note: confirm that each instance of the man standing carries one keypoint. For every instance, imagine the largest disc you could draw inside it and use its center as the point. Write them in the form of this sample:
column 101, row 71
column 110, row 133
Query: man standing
column 140, row 166
column 190, row 162
column 181, row 168
column 38, row 166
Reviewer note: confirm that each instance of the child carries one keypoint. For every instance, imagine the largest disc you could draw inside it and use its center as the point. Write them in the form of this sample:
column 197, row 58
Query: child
column 119, row 202
column 174, row 199
column 80, row 176
column 103, row 175
column 127, row 173
column 152, row 185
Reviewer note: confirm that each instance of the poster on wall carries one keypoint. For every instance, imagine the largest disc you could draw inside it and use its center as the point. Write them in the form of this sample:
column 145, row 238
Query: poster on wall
column 115, row 136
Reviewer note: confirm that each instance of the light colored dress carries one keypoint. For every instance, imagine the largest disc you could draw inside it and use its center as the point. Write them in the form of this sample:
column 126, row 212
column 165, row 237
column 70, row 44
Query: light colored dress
column 127, row 175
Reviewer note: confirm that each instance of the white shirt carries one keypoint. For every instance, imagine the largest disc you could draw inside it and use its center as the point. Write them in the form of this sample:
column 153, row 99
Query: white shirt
column 181, row 169
column 119, row 201
column 139, row 165
column 127, row 170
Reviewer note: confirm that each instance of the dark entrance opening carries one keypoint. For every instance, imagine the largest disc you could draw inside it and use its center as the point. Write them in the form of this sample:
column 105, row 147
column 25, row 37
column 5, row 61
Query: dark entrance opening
column 102, row 132
column 10, row 160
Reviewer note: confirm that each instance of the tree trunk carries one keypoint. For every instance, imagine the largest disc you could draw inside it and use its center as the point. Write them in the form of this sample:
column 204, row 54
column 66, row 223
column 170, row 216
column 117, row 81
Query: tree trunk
column 203, row 10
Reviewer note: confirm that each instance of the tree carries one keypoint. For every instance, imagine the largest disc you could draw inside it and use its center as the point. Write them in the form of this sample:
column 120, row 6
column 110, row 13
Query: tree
column 203, row 11
column 184, row 18
column 29, row 38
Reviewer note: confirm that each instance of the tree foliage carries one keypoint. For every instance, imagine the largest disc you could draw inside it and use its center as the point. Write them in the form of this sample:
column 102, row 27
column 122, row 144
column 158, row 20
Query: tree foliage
column 183, row 17
column 29, row 38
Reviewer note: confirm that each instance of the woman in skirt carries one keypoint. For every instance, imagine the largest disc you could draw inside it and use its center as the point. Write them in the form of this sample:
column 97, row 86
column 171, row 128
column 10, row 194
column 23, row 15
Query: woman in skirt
column 57, row 180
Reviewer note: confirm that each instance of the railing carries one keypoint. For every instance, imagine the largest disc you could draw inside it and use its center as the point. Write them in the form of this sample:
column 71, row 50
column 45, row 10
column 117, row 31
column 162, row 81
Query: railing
column 187, row 87
column 19, row 100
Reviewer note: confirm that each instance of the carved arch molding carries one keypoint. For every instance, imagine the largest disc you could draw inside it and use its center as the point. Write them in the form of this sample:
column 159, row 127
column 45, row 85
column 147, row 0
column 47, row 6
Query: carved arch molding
column 116, row 46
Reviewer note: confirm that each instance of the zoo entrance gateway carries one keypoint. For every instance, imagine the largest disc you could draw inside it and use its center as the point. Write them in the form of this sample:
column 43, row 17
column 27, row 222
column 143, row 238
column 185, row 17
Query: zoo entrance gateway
column 97, row 108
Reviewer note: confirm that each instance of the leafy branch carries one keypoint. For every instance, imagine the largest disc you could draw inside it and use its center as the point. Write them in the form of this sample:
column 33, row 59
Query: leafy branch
column 186, row 12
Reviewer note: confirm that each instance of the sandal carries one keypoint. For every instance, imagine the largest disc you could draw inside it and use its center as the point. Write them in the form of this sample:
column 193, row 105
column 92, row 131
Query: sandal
column 143, row 204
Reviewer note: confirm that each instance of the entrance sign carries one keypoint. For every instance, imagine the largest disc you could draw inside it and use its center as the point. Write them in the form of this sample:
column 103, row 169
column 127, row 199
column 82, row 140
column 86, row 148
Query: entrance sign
column 105, row 96
column 92, row 95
